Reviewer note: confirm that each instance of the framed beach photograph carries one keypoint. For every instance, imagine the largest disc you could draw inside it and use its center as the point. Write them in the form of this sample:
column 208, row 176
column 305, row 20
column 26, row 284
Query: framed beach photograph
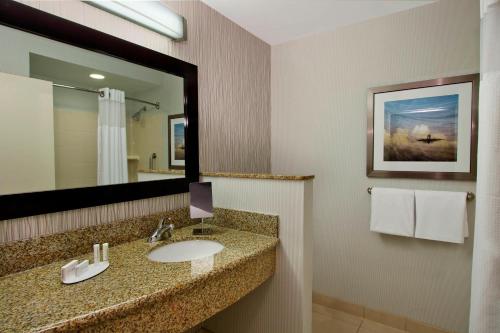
column 425, row 129
column 176, row 147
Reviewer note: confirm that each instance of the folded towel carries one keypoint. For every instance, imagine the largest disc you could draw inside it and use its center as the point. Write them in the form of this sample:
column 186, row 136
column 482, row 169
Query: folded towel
column 393, row 211
column 441, row 216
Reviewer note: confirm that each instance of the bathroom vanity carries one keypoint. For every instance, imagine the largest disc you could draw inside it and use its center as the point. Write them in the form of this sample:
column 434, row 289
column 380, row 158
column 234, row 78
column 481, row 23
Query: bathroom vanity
column 136, row 294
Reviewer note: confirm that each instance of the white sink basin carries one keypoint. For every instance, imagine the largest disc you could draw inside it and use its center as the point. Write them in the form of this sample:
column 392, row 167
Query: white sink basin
column 185, row 251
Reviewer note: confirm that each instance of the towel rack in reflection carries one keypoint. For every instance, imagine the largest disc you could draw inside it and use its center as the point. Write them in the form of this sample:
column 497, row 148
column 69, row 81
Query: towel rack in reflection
column 470, row 195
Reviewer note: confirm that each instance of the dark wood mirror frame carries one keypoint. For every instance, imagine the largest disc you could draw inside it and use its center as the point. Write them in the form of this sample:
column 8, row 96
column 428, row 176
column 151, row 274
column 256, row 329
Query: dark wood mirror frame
column 26, row 18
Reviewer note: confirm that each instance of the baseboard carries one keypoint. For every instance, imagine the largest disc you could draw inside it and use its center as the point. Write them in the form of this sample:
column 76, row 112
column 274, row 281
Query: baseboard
column 392, row 320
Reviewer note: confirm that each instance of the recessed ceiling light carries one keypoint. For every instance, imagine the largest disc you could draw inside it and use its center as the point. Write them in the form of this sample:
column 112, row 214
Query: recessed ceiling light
column 97, row 76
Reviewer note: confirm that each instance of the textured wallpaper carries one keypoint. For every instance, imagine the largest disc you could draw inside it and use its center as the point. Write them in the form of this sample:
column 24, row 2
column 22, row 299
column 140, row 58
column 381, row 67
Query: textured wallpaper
column 234, row 97
column 319, row 92
column 234, row 88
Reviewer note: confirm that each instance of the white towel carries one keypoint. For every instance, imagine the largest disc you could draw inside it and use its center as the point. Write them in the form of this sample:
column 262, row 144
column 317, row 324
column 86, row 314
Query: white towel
column 441, row 216
column 393, row 211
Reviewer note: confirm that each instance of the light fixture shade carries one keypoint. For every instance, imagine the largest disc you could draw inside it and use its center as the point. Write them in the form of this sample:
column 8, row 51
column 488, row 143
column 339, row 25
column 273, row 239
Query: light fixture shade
column 96, row 76
column 152, row 15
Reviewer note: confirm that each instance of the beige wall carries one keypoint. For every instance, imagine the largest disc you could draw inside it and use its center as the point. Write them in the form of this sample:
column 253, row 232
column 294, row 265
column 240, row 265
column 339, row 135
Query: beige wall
column 26, row 153
column 75, row 138
column 150, row 133
column 147, row 136
column 319, row 88
column 234, row 100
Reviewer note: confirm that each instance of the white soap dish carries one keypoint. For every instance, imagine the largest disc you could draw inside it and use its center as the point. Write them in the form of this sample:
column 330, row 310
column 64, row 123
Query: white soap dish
column 93, row 270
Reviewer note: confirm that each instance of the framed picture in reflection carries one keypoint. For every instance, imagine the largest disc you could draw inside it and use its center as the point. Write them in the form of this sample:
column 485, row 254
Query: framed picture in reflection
column 425, row 129
column 176, row 146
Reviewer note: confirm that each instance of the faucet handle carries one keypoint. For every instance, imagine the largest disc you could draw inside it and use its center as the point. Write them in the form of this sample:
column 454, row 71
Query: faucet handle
column 163, row 223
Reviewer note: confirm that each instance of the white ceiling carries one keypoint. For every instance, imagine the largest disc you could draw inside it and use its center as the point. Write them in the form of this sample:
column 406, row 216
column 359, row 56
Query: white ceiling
column 279, row 21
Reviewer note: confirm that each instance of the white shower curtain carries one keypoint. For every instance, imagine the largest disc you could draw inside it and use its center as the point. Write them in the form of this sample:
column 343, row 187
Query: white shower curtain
column 485, row 293
column 111, row 138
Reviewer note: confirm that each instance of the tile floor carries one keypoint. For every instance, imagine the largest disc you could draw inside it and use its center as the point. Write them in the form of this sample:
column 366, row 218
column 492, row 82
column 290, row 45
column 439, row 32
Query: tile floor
column 327, row 320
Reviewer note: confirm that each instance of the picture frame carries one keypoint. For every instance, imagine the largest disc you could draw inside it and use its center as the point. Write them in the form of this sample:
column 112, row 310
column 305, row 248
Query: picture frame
column 176, row 143
column 425, row 129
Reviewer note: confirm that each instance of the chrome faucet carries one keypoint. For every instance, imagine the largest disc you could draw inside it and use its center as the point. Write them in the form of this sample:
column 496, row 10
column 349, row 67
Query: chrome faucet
column 163, row 227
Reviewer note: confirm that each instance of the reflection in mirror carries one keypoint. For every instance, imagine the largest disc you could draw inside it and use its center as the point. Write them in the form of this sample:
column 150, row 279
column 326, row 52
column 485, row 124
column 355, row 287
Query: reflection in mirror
column 75, row 118
column 202, row 266
column 201, row 205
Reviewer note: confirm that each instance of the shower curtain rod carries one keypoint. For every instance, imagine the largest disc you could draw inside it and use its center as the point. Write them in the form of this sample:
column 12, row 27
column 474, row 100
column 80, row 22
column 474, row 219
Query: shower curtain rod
column 101, row 93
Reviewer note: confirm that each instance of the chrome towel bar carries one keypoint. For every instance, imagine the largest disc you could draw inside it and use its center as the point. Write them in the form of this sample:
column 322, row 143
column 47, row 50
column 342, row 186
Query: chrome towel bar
column 470, row 195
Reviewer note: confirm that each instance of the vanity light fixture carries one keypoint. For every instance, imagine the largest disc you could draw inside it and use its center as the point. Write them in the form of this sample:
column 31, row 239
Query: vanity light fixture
column 152, row 15
column 97, row 76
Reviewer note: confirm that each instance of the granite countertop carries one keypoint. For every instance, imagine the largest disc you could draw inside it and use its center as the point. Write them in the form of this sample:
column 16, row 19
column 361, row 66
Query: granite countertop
column 35, row 300
column 256, row 175
column 232, row 174
column 163, row 171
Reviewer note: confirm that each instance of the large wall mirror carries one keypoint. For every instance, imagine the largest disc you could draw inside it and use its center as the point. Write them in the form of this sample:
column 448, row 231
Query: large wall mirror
column 89, row 119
